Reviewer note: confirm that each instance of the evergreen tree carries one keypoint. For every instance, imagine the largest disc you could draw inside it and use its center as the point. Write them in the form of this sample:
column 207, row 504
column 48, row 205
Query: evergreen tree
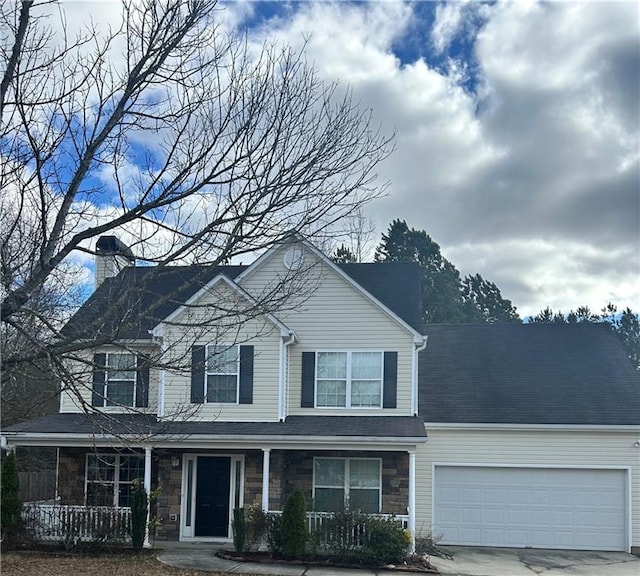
column 625, row 324
column 445, row 297
column 10, row 503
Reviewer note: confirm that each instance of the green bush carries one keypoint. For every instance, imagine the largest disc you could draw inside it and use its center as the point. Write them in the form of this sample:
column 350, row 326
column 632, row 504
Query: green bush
column 386, row 541
column 256, row 520
column 294, row 525
column 341, row 534
column 239, row 530
column 10, row 503
column 273, row 533
column 139, row 508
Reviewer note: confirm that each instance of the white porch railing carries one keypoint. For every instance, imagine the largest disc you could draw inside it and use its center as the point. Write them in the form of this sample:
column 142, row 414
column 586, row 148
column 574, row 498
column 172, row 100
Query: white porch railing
column 63, row 523
column 328, row 529
column 317, row 519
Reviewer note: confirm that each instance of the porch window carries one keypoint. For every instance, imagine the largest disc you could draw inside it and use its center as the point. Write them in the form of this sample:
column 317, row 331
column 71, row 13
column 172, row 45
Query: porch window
column 355, row 482
column 109, row 478
column 349, row 379
column 222, row 374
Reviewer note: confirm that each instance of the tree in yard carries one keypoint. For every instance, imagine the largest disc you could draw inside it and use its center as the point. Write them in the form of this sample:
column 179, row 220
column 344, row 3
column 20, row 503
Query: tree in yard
column 446, row 297
column 294, row 525
column 485, row 302
column 139, row 509
column 169, row 131
column 343, row 255
column 10, row 504
column 625, row 324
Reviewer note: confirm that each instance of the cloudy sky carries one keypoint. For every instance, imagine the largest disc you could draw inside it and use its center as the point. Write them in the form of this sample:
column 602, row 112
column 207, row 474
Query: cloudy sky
column 517, row 131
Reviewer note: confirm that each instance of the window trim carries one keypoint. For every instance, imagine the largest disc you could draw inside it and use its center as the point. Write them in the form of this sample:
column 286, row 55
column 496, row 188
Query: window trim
column 347, row 466
column 107, row 370
column 225, row 346
column 348, row 391
column 116, row 475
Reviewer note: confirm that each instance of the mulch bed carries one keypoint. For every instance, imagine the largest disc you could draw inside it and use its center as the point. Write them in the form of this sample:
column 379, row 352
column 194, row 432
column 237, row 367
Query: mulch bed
column 419, row 564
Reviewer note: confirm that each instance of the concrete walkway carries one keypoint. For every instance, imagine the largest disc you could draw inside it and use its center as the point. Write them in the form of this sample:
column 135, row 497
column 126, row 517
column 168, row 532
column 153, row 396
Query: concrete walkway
column 466, row 561
column 203, row 557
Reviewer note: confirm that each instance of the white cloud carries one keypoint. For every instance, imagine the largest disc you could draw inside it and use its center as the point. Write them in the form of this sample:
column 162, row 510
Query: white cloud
column 536, row 165
column 530, row 174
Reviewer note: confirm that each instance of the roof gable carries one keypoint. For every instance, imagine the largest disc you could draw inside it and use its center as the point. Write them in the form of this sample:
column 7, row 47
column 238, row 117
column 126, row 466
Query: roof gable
column 394, row 288
column 218, row 280
column 128, row 306
column 527, row 374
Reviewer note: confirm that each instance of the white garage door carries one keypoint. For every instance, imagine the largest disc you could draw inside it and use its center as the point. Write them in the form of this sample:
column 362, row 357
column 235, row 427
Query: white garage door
column 531, row 507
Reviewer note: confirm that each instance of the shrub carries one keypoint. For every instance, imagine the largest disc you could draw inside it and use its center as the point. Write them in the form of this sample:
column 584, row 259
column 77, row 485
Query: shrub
column 294, row 525
column 139, row 508
column 273, row 533
column 239, row 530
column 386, row 541
column 256, row 520
column 341, row 534
column 10, row 503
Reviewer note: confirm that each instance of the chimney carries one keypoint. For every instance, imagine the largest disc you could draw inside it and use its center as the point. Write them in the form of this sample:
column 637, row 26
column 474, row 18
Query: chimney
column 112, row 255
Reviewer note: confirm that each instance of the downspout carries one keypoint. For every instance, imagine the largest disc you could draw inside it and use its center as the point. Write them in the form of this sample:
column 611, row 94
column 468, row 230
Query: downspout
column 285, row 341
column 418, row 346
column 157, row 336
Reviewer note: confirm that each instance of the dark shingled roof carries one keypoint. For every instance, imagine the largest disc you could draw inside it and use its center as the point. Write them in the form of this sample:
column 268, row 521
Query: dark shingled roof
column 527, row 374
column 131, row 304
column 306, row 427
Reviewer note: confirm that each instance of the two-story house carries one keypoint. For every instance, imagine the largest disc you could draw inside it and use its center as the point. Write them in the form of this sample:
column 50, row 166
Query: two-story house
column 231, row 386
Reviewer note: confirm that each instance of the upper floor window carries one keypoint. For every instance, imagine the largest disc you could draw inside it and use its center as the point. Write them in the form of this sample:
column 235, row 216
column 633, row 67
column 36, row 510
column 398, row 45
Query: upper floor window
column 120, row 379
column 349, row 379
column 352, row 482
column 222, row 374
column 343, row 379
column 120, row 383
column 109, row 478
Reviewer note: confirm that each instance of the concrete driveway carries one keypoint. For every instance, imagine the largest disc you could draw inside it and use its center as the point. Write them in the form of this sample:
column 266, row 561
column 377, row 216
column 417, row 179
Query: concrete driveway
column 468, row 561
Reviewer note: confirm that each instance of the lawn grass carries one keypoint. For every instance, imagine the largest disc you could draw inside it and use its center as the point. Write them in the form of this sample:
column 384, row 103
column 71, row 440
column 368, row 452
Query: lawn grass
column 60, row 564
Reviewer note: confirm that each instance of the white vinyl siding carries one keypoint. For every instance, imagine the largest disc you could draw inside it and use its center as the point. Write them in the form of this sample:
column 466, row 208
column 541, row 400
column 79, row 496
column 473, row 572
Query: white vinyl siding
column 257, row 332
column 333, row 315
column 552, row 448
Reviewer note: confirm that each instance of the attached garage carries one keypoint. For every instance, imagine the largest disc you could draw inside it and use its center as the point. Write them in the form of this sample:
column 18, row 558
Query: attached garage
column 537, row 507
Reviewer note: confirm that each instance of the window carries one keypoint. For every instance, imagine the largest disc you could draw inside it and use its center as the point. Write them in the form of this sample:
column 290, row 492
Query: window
column 120, row 379
column 349, row 379
column 352, row 481
column 222, row 374
column 120, row 382
column 110, row 478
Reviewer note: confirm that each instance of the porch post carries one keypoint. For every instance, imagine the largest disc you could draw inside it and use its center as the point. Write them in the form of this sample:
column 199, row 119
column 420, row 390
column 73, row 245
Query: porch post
column 265, row 479
column 147, row 487
column 412, row 498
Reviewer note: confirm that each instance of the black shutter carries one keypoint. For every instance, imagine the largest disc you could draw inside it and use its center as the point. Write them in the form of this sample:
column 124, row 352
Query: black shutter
column 246, row 375
column 307, row 399
column 142, row 385
column 99, row 376
column 390, row 385
column 197, row 374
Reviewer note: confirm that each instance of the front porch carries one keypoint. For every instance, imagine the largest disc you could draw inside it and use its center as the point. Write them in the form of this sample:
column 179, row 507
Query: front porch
column 198, row 489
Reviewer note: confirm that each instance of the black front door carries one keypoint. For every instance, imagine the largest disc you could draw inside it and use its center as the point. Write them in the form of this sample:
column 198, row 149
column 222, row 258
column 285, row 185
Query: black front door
column 212, row 496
